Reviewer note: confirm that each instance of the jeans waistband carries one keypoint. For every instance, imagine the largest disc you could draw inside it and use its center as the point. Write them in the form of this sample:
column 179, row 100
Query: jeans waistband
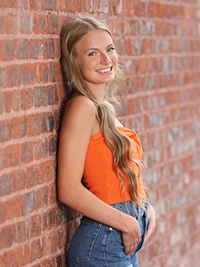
column 132, row 208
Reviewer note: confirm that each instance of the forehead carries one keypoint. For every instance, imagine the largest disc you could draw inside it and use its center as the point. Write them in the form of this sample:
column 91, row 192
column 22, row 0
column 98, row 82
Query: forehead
column 95, row 39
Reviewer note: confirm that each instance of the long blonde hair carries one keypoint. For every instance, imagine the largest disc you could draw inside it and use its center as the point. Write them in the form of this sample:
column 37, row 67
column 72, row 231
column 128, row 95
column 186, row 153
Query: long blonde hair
column 118, row 143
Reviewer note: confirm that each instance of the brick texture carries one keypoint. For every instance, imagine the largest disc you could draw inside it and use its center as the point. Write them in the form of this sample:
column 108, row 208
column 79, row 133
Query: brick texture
column 159, row 47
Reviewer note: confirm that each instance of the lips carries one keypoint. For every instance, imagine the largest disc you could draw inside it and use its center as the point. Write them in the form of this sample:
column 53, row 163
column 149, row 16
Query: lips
column 105, row 70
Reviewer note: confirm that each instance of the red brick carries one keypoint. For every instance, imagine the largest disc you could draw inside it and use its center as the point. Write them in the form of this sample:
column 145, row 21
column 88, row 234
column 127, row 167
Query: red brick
column 19, row 127
column 143, row 65
column 10, row 3
column 49, row 48
column 41, row 149
column 130, row 8
column 11, row 23
column 3, row 211
column 34, row 124
column 53, row 24
column 5, row 184
column 20, row 233
column 28, row 73
column 27, row 152
column 37, row 249
column 26, row 253
column 35, row 226
column 12, row 155
column 6, row 131
column 40, row 25
column 33, row 176
column 35, row 4
column 21, row 48
column 14, row 75
column 55, row 72
column 7, row 47
column 48, row 5
column 6, row 236
column 14, row 207
column 18, row 180
column 43, row 72
column 47, row 170
column 42, row 197
column 13, row 257
column 36, row 49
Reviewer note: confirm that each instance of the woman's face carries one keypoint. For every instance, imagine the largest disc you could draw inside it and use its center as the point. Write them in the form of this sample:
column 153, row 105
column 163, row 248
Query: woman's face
column 97, row 58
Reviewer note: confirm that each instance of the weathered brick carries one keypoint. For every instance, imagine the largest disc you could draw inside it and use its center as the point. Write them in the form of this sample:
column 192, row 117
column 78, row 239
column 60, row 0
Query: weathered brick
column 36, row 49
column 34, row 124
column 29, row 202
column 49, row 48
column 41, row 149
column 28, row 73
column 5, row 131
column 40, row 96
column 26, row 23
column 40, row 25
column 47, row 123
column 6, row 236
column 35, row 226
column 53, row 24
column 47, row 171
column 7, row 47
column 27, row 152
column 20, row 231
column 33, row 176
column 49, row 5
column 42, row 197
column 55, row 72
column 37, row 249
column 35, row 4
column 14, row 75
column 5, row 184
column 21, row 48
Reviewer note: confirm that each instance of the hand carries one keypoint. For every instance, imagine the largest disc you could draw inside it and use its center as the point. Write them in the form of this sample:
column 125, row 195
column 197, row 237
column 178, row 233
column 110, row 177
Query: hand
column 152, row 222
column 132, row 236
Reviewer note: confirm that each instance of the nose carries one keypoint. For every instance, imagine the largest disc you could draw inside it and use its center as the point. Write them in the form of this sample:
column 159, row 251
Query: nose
column 105, row 59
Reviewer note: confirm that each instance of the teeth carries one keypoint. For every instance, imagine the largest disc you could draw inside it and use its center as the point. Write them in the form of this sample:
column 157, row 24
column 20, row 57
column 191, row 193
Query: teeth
column 105, row 70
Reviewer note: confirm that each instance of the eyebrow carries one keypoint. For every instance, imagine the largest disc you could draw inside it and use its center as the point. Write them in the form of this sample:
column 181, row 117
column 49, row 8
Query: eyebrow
column 112, row 44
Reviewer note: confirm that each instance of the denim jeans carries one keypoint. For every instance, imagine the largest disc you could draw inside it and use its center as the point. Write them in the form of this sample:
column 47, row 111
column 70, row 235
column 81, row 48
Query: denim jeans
column 98, row 245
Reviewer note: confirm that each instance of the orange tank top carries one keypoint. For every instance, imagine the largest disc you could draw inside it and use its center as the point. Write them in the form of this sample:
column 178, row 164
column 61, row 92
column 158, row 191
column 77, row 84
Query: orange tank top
column 99, row 176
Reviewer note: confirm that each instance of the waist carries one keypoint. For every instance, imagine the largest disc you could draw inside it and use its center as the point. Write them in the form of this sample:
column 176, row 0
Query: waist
column 130, row 208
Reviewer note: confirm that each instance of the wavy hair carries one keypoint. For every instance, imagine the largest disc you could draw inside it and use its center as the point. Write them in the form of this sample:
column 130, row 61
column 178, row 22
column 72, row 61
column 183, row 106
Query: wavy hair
column 119, row 144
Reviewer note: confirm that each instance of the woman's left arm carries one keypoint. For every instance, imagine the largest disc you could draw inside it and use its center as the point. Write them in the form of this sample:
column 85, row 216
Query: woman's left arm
column 152, row 222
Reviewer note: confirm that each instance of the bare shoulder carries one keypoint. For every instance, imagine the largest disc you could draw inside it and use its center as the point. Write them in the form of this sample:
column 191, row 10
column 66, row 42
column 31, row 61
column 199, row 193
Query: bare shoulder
column 79, row 110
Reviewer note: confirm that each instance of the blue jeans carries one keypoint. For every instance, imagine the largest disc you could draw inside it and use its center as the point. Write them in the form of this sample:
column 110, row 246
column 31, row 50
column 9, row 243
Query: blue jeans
column 98, row 245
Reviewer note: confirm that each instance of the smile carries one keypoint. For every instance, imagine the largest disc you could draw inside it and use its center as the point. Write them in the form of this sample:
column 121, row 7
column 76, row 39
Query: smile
column 105, row 70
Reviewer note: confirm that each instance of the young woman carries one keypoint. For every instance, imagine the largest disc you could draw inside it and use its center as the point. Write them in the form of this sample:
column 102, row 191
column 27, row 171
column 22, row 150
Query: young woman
column 99, row 159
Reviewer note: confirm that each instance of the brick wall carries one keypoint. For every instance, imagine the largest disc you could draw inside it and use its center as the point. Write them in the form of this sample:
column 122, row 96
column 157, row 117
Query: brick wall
column 159, row 46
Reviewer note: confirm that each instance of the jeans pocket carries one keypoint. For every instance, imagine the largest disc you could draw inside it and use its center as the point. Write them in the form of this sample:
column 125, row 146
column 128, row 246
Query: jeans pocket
column 83, row 241
column 114, row 242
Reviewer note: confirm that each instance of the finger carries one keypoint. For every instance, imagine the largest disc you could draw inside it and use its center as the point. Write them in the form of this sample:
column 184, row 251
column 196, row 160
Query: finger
column 150, row 230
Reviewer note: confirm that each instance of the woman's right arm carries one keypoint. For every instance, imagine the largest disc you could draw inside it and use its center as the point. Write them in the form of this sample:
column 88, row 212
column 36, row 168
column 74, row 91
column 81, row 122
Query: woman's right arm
column 77, row 127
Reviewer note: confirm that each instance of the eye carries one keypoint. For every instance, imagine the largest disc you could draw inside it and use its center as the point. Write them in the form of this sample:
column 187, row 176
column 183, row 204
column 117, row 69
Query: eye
column 110, row 49
column 92, row 54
